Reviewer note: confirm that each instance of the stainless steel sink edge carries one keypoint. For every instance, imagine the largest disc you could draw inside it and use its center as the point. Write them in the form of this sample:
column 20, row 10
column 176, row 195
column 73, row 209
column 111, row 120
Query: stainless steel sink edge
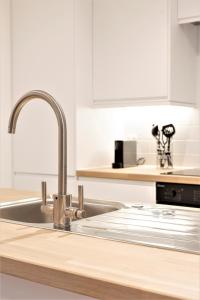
column 157, row 246
column 29, row 210
column 111, row 234
column 18, row 202
column 117, row 204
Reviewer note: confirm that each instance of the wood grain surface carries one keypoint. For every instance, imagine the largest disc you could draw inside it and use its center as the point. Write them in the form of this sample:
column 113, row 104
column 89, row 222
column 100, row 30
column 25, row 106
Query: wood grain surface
column 96, row 267
column 141, row 173
column 7, row 195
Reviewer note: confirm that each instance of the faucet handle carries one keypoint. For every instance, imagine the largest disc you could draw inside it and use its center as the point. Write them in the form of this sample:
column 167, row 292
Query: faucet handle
column 80, row 213
column 68, row 201
column 44, row 192
column 80, row 197
column 45, row 207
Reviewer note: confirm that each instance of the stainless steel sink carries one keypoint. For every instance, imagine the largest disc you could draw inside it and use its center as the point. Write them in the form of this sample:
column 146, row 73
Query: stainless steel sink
column 28, row 211
column 165, row 228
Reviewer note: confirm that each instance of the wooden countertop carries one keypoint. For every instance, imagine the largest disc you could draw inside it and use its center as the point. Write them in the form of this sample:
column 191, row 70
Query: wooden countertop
column 140, row 173
column 7, row 195
column 96, row 267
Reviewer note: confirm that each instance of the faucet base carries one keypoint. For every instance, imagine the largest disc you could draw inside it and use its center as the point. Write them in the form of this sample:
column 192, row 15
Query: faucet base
column 59, row 204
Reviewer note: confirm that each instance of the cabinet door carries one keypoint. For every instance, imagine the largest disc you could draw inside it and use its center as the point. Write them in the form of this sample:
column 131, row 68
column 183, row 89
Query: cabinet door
column 129, row 50
column 43, row 58
column 25, row 289
column 124, row 191
column 5, row 94
column 188, row 11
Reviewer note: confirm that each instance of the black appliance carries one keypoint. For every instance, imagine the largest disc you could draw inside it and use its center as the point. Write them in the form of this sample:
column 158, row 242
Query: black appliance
column 178, row 194
column 125, row 154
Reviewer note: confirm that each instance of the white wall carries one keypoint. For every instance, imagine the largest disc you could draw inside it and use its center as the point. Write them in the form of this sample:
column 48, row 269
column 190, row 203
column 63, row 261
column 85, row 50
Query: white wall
column 137, row 122
column 5, row 94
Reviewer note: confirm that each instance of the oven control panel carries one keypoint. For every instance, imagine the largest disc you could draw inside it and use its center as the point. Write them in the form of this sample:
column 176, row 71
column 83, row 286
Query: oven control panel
column 178, row 194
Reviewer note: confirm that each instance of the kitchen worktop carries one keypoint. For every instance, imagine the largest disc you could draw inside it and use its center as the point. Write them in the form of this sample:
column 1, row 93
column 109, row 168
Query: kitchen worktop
column 7, row 195
column 139, row 173
column 96, row 267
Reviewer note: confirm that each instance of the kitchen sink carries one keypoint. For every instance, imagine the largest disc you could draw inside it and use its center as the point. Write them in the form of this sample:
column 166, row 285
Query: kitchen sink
column 175, row 229
column 29, row 211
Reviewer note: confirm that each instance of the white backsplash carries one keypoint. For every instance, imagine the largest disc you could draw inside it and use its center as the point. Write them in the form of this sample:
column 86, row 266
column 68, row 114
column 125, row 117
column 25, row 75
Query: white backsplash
column 136, row 122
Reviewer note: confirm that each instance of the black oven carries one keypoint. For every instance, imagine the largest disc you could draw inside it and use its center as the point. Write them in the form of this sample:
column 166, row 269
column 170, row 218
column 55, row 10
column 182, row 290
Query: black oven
column 178, row 194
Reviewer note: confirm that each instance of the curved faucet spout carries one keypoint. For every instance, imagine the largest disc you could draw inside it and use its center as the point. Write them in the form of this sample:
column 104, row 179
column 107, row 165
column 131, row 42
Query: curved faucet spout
column 62, row 132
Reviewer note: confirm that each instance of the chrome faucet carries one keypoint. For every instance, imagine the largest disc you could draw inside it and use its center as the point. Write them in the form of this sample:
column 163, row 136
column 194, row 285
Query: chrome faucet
column 63, row 212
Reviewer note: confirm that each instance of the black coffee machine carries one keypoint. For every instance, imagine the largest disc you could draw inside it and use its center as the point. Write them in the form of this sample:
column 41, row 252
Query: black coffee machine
column 125, row 154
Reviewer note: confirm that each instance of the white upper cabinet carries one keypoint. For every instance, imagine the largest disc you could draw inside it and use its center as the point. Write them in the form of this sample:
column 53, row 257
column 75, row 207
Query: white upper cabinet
column 188, row 11
column 141, row 55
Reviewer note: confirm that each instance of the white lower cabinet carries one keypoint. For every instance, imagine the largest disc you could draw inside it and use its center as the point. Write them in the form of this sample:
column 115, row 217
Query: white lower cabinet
column 139, row 192
column 19, row 289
